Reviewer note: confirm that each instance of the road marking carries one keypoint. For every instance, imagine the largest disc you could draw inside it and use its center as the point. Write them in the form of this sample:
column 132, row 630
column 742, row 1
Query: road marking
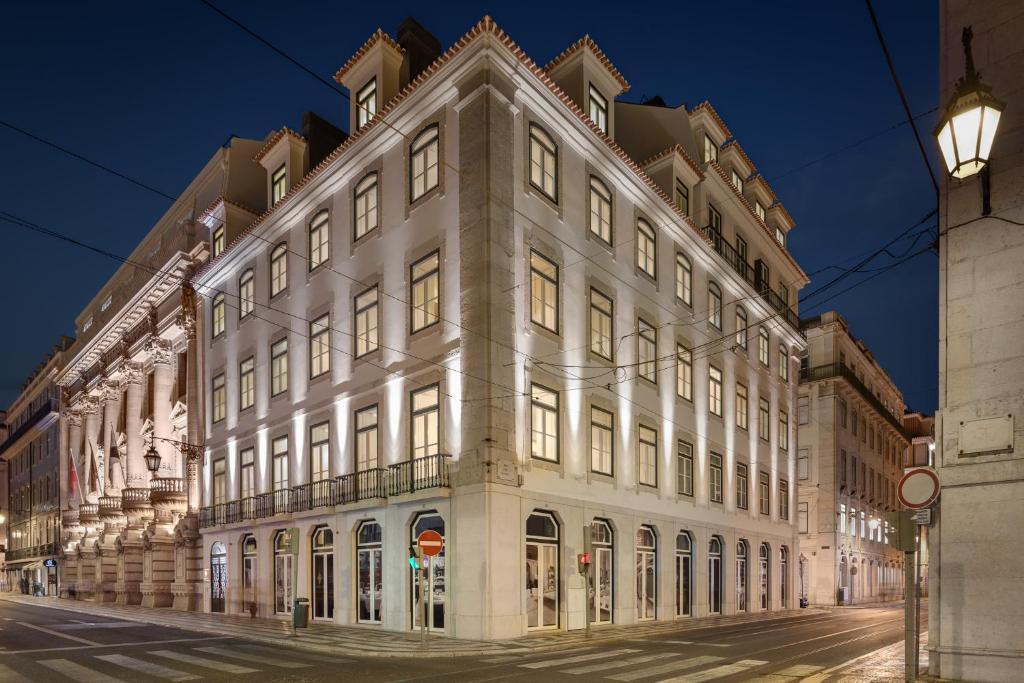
column 77, row 672
column 718, row 672
column 799, row 670
column 676, row 642
column 672, row 667
column 545, row 663
column 305, row 655
column 604, row 666
column 150, row 668
column 82, row 625
column 204, row 662
column 100, row 646
column 58, row 633
column 8, row 675
column 234, row 654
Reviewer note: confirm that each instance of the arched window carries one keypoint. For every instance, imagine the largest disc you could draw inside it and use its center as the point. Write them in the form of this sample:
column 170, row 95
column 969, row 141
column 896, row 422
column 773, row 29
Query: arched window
column 423, row 162
column 543, row 162
column 601, row 576
column 319, row 240
column 684, row 574
column 218, row 314
column 323, row 573
column 246, row 294
column 370, row 563
column 283, row 558
column 741, row 327
column 600, row 210
column 741, row 576
column 646, row 573
column 365, row 203
column 278, row 269
column 435, row 593
column 764, row 562
column 715, row 575
column 218, row 576
column 542, row 571
column 646, row 248
column 249, row 561
column 715, row 305
column 783, row 577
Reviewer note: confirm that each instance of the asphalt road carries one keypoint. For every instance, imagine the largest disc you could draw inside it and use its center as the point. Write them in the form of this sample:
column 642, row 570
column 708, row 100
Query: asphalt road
column 40, row 644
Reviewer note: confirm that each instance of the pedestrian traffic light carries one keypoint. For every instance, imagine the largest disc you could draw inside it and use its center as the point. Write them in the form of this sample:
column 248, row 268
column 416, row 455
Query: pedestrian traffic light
column 415, row 557
column 584, row 562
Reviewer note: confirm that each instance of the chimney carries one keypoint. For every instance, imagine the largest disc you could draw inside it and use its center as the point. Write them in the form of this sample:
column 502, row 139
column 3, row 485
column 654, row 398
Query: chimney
column 421, row 48
column 322, row 137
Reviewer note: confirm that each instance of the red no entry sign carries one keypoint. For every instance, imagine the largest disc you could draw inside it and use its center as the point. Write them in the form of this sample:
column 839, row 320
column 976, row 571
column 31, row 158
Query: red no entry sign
column 430, row 542
column 918, row 488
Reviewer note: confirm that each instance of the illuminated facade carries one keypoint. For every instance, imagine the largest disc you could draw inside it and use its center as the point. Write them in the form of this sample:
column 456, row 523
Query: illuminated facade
column 506, row 307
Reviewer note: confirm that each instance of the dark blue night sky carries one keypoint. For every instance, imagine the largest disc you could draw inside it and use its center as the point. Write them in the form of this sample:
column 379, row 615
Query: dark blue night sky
column 152, row 89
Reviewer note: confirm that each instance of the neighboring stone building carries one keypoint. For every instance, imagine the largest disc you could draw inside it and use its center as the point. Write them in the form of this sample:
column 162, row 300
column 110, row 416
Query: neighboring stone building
column 507, row 308
column 131, row 382
column 32, row 468
column 921, row 429
column 852, row 443
column 976, row 611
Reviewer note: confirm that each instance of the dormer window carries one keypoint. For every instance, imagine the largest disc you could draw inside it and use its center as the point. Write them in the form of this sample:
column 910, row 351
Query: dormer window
column 759, row 210
column 598, row 109
column 710, row 149
column 217, row 243
column 780, row 237
column 366, row 103
column 683, row 197
column 87, row 324
column 737, row 182
column 278, row 184
column 106, row 302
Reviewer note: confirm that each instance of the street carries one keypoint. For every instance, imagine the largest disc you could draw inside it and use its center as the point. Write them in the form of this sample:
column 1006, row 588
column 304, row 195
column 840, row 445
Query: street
column 39, row 643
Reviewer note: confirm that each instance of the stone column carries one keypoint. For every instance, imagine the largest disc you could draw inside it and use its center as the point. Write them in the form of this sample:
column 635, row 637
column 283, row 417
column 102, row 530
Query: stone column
column 91, row 410
column 163, row 386
column 72, row 452
column 135, row 463
column 191, row 391
column 114, row 475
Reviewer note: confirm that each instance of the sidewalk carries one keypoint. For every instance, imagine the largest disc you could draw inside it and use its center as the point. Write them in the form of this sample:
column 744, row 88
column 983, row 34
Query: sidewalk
column 882, row 665
column 374, row 642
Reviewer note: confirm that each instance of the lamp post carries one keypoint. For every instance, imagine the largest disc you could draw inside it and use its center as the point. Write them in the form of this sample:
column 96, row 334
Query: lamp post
column 193, row 454
column 969, row 125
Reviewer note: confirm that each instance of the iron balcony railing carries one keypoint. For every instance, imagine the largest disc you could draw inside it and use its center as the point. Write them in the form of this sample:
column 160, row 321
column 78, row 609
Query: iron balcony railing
column 406, row 477
column 41, row 550
column 833, row 370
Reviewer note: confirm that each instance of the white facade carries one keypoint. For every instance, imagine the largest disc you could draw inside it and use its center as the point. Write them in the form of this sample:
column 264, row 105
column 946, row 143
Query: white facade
column 494, row 421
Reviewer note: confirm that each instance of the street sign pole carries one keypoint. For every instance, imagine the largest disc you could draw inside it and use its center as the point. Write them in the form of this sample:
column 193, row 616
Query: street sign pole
column 587, row 548
column 423, row 598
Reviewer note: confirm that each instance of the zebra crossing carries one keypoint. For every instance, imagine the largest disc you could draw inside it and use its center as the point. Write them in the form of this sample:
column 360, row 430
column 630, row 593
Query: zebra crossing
column 181, row 664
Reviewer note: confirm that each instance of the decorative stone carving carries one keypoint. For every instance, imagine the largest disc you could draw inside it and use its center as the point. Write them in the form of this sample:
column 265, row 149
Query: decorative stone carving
column 160, row 351
column 131, row 373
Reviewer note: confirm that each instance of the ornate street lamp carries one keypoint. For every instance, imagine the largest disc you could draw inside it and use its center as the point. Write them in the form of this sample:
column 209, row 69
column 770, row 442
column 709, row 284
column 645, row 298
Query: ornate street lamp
column 152, row 457
column 969, row 124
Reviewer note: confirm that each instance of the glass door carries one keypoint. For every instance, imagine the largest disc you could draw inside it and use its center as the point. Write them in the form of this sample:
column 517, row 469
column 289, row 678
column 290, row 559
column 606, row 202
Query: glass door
column 542, row 585
column 369, row 558
column 435, row 569
column 323, row 573
column 600, row 576
column 218, row 576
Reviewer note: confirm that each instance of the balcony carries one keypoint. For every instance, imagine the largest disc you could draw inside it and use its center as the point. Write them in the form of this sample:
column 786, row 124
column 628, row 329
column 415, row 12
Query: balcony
column 746, row 271
column 89, row 513
column 31, row 552
column 48, row 409
column 134, row 499
column 430, row 472
column 834, row 370
column 109, row 506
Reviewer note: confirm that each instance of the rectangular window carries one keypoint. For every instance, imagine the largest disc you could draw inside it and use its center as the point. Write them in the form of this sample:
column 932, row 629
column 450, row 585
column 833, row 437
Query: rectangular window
column 715, row 480
column 801, row 513
column 246, row 296
column 544, row 421
column 423, row 163
column 759, row 210
column 543, row 163
column 710, row 149
column 741, row 250
column 246, row 383
column 842, row 413
column 684, row 372
column 647, row 350
column 601, row 316
column 219, row 401
column 647, row 453
column 684, row 279
column 320, row 452
column 426, row 422
column 365, row 204
column 783, row 499
column 279, row 367
column 737, row 182
column 803, row 409
column 741, row 406
column 278, row 184
column 762, row 346
column 763, row 492
column 319, row 240
column 684, row 468
column 714, row 305
column 682, row 197
column 425, row 276
column 600, row 210
column 366, row 439
column 366, row 322
column 741, row 328
column 218, row 242
column 247, row 480
column 783, row 364
column 602, row 430
column 742, row 486
column 280, row 460
column 714, row 390
column 220, row 476
column 218, row 315
column 543, row 292
column 598, row 109
column 803, row 464
column 646, row 248
column 320, row 346
column 278, row 269
column 763, row 427
column 715, row 222
column 783, row 430
column 366, row 103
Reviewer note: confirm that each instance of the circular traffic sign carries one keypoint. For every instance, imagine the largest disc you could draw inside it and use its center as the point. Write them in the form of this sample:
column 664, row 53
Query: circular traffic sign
column 430, row 542
column 918, row 488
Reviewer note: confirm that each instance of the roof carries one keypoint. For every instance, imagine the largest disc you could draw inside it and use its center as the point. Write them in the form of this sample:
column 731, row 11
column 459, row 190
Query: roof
column 216, row 203
column 587, row 42
column 273, row 140
column 377, row 36
column 674, row 149
column 734, row 144
column 706, row 106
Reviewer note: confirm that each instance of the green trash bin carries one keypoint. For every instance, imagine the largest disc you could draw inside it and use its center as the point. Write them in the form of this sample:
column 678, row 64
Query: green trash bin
column 300, row 613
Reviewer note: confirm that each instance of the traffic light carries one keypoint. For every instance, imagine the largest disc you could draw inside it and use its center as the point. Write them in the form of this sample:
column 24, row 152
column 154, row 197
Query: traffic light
column 415, row 557
column 584, row 562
